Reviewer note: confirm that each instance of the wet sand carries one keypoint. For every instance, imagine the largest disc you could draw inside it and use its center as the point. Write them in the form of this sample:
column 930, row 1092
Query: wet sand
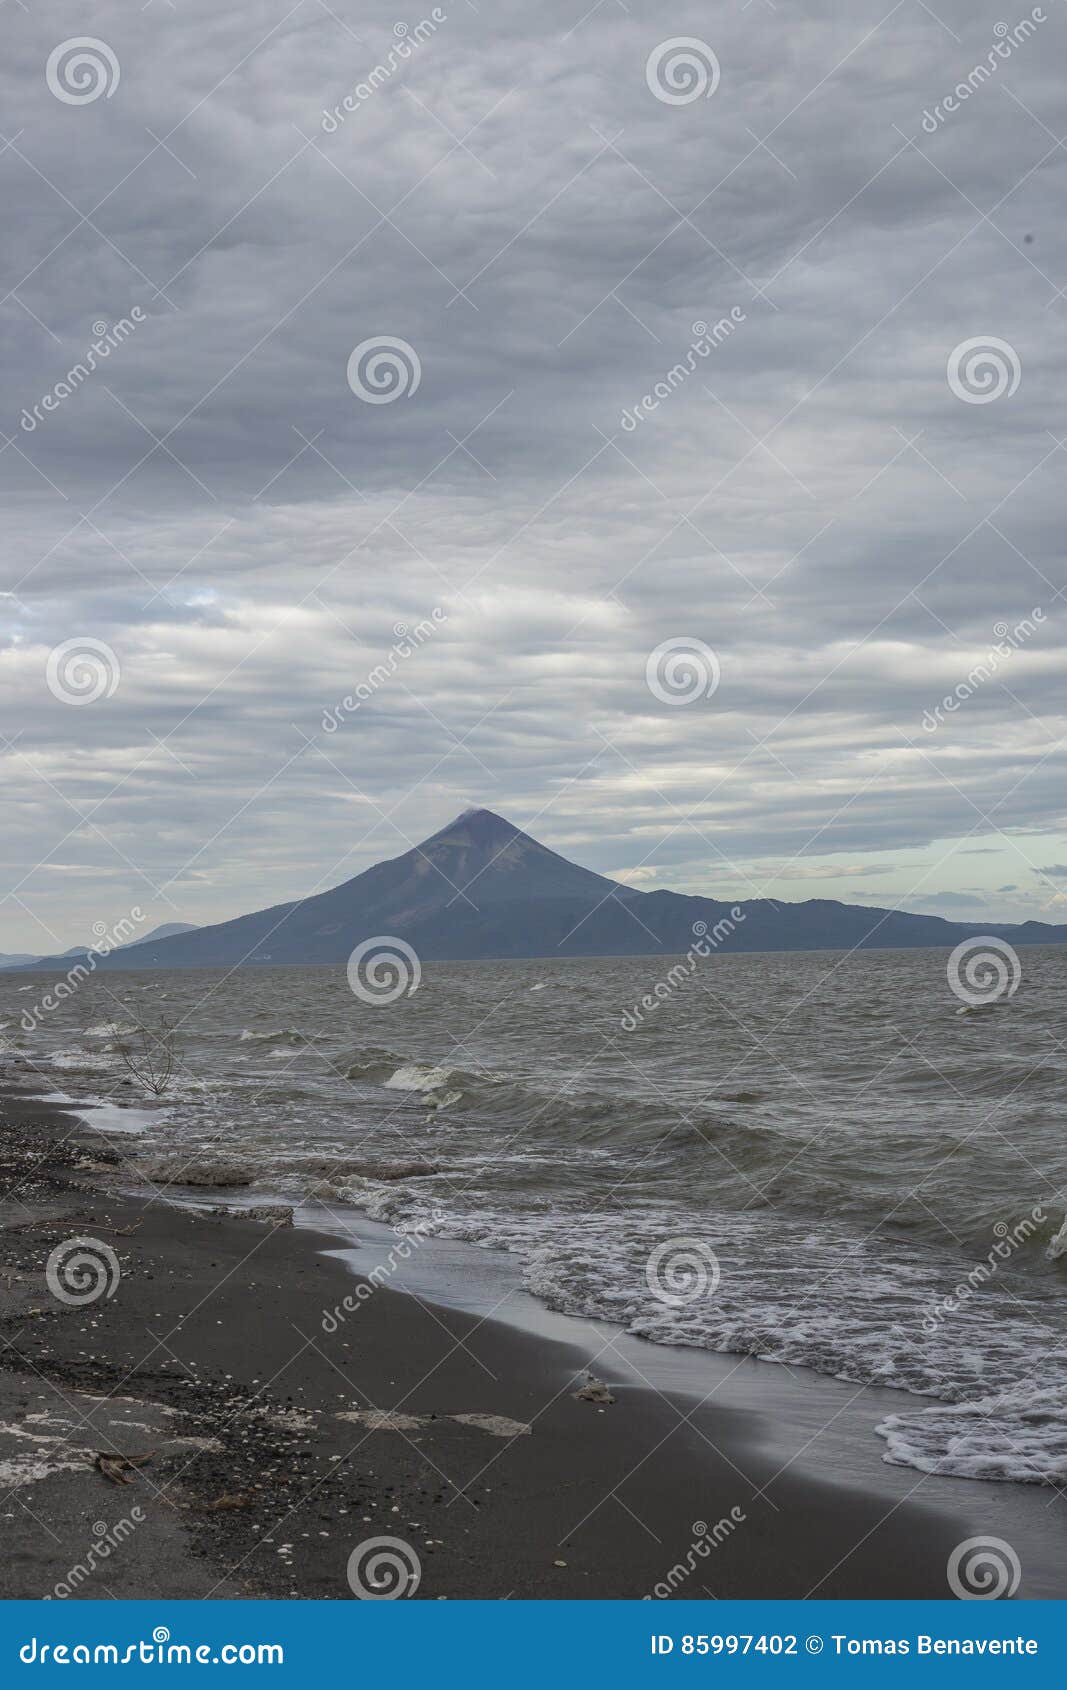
column 291, row 1413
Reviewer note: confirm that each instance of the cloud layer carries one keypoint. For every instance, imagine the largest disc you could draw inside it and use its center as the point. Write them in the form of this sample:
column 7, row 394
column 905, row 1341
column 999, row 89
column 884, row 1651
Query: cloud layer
column 683, row 369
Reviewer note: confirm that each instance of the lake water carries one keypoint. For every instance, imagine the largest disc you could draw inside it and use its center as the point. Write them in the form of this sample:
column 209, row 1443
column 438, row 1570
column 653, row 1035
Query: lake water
column 820, row 1159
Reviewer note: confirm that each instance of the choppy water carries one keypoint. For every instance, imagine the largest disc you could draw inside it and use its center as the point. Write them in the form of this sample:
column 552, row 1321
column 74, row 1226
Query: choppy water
column 850, row 1148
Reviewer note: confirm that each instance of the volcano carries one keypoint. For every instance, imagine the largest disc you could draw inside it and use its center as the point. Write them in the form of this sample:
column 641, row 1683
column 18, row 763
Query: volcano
column 482, row 888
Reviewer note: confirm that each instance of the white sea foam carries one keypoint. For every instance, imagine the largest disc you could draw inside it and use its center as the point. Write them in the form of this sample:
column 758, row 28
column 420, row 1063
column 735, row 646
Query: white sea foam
column 80, row 1061
column 428, row 1081
column 1021, row 1435
column 800, row 1297
column 279, row 1035
column 414, row 1076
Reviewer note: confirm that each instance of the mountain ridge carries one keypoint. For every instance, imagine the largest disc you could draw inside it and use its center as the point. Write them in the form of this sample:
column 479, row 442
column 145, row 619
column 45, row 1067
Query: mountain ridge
column 166, row 930
column 481, row 888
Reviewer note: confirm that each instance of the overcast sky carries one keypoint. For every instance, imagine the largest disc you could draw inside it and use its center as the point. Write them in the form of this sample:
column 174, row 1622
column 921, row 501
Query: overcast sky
column 827, row 498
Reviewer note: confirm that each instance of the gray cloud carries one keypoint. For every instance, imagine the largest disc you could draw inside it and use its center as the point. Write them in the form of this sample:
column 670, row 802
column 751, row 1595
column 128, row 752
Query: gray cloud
column 811, row 499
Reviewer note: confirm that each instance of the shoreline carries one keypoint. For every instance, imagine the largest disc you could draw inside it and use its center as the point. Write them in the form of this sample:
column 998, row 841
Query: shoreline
column 270, row 1461
column 818, row 1425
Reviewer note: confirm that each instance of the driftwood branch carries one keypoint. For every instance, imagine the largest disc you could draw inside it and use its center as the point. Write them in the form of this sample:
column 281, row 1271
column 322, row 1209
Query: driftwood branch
column 149, row 1055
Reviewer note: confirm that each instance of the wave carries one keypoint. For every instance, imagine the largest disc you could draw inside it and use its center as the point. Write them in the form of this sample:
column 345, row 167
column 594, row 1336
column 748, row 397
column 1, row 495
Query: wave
column 414, row 1076
column 576, row 1115
column 80, row 1061
column 281, row 1036
column 1020, row 1435
column 436, row 1084
column 439, row 1084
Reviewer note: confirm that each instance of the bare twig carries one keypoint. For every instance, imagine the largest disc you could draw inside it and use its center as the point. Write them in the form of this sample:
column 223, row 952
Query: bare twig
column 149, row 1055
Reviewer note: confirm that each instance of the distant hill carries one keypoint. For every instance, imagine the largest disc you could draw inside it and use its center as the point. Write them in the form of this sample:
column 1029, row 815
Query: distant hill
column 481, row 888
column 167, row 931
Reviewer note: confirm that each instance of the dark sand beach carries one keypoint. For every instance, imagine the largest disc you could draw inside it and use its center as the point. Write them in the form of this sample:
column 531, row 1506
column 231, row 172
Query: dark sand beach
column 216, row 1357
